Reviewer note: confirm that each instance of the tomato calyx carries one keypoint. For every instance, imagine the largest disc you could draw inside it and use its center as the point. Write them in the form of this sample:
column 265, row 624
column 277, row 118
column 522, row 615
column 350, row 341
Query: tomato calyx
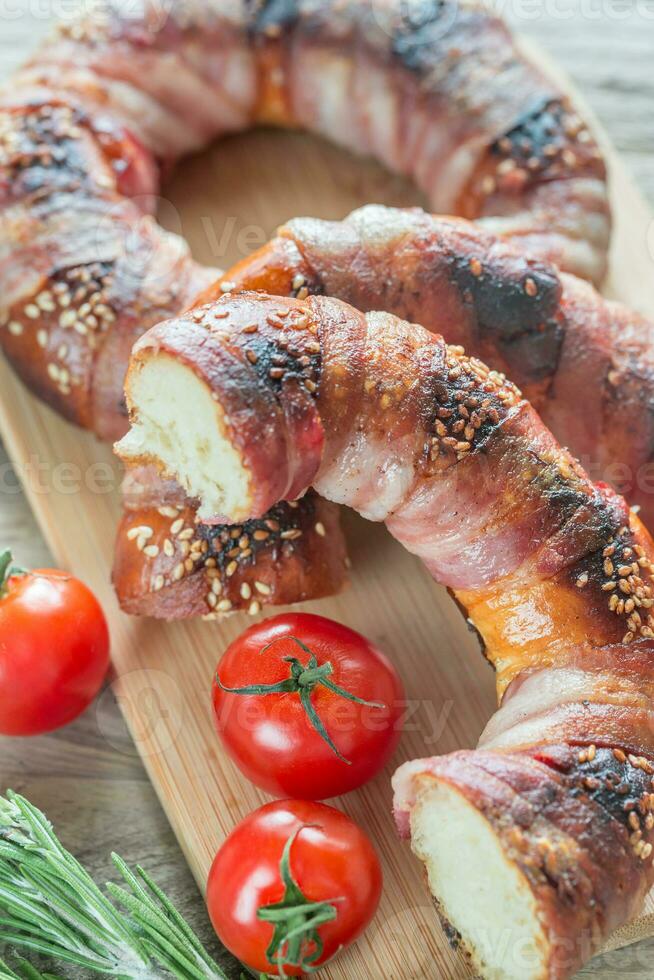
column 8, row 571
column 302, row 680
column 296, row 941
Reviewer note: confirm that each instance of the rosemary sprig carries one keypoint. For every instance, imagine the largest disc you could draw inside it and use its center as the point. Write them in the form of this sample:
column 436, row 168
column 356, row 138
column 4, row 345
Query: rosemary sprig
column 49, row 904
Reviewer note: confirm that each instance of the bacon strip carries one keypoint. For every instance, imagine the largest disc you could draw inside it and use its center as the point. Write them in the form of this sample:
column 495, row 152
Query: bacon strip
column 555, row 572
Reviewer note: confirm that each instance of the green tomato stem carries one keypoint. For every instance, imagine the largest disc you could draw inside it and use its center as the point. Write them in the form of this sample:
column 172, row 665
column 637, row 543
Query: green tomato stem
column 7, row 570
column 296, row 940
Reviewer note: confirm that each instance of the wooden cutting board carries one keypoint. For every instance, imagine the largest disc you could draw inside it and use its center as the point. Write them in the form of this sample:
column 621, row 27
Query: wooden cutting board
column 227, row 202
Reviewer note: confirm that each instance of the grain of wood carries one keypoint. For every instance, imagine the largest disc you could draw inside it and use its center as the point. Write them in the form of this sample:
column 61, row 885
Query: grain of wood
column 89, row 777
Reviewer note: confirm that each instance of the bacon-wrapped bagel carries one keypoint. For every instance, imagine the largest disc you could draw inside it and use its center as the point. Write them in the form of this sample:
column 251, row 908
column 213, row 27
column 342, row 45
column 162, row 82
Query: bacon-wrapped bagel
column 441, row 94
column 585, row 363
column 539, row 843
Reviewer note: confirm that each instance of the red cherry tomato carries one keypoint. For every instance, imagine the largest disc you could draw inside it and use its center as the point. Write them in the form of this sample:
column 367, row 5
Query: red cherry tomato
column 284, row 855
column 54, row 649
column 307, row 707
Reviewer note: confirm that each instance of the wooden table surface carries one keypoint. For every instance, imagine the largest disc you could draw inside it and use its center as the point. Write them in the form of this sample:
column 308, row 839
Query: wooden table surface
column 88, row 778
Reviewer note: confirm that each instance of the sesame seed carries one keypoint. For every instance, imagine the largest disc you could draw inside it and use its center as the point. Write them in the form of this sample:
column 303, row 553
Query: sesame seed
column 262, row 588
column 158, row 583
column 531, row 288
column 169, row 548
column 151, row 551
column 167, row 511
column 224, row 605
column 231, row 568
column 246, row 591
column 45, row 302
column 32, row 311
column 254, row 608
column 320, row 529
column 67, row 319
column 15, row 328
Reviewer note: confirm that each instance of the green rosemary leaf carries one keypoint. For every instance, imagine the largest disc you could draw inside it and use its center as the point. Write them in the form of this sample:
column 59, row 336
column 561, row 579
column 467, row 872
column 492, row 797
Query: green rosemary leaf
column 173, row 959
column 174, row 915
column 55, row 952
column 25, row 971
column 156, row 929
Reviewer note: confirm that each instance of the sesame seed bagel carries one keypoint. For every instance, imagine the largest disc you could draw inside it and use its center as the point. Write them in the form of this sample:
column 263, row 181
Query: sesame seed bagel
column 539, row 843
column 85, row 127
